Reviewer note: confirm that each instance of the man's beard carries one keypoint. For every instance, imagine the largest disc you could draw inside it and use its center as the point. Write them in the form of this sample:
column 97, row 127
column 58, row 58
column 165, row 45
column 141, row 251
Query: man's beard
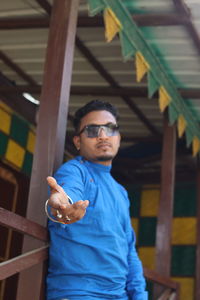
column 105, row 158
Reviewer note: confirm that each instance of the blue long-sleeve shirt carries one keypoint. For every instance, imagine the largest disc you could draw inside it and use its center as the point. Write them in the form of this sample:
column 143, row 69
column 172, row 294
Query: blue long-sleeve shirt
column 94, row 258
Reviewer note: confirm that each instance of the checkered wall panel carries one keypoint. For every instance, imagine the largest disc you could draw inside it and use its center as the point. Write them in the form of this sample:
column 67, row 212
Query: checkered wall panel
column 17, row 140
column 144, row 212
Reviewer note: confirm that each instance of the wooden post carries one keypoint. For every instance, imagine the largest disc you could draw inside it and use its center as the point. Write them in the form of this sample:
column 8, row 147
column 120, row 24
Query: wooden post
column 164, row 225
column 51, row 129
column 197, row 283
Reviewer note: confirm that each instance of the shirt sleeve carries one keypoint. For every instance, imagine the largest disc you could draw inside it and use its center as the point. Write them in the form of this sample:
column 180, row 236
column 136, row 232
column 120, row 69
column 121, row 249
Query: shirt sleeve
column 136, row 283
column 71, row 178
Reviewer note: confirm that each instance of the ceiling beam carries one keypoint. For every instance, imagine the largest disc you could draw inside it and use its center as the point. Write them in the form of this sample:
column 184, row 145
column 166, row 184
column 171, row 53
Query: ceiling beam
column 45, row 5
column 140, row 92
column 16, row 69
column 24, row 23
column 182, row 9
column 84, row 21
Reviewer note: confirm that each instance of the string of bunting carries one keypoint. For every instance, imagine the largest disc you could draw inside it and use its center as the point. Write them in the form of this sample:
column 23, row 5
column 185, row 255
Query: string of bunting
column 118, row 20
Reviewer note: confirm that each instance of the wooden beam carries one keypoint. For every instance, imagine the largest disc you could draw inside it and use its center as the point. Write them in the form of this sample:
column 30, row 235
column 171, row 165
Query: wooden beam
column 181, row 7
column 197, row 282
column 50, row 137
column 105, row 74
column 17, row 102
column 160, row 279
column 184, row 10
column 140, row 92
column 45, row 5
column 23, row 262
column 22, row 225
column 24, row 23
column 16, row 68
column 97, row 21
column 165, row 214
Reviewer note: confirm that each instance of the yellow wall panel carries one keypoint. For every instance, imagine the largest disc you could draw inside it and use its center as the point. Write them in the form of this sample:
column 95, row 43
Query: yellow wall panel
column 15, row 153
column 147, row 256
column 149, row 202
column 184, row 231
column 31, row 142
column 186, row 287
column 5, row 121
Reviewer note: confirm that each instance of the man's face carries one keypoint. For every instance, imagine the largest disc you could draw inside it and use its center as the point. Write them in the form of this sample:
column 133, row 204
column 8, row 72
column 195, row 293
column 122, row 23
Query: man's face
column 103, row 148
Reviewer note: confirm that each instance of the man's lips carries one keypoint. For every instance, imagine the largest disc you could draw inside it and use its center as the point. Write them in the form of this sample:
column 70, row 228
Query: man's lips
column 103, row 145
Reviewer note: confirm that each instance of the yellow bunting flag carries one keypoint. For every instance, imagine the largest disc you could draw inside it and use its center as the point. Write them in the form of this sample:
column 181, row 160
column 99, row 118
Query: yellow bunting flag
column 112, row 24
column 195, row 146
column 142, row 66
column 181, row 125
column 164, row 98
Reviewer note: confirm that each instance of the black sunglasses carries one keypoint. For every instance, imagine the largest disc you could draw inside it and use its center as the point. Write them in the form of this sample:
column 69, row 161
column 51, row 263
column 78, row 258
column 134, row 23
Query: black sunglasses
column 93, row 130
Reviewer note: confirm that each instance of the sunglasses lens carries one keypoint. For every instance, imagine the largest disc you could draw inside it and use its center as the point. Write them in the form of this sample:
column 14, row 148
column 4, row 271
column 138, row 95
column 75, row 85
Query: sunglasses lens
column 109, row 129
column 92, row 131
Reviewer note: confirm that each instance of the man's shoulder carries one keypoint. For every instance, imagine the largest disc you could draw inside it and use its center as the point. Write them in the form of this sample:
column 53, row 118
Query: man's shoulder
column 74, row 164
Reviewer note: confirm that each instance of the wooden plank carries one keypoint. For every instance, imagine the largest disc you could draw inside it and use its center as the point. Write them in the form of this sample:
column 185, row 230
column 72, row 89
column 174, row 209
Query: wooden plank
column 22, row 262
column 160, row 279
column 50, row 137
column 197, row 283
column 165, row 214
column 97, row 21
column 22, row 225
column 140, row 92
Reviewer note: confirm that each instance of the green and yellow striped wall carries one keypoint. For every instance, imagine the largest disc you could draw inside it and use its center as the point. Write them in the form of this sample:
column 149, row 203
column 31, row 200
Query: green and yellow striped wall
column 144, row 212
column 17, row 140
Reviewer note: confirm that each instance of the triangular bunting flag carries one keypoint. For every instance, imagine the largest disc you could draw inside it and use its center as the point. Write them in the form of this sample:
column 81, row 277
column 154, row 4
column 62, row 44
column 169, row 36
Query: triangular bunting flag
column 142, row 66
column 173, row 114
column 164, row 98
column 95, row 6
column 195, row 146
column 128, row 49
column 153, row 85
column 181, row 125
column 189, row 137
column 112, row 24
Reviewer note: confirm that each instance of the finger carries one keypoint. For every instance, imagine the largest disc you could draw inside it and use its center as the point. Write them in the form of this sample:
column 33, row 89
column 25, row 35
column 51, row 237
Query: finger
column 54, row 185
column 85, row 204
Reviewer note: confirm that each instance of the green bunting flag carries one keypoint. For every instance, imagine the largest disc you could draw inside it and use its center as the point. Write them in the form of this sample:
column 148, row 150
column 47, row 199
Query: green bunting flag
column 173, row 114
column 95, row 7
column 128, row 50
column 153, row 85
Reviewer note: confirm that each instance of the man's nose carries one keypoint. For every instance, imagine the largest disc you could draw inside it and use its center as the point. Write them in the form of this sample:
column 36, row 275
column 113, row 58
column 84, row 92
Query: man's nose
column 102, row 134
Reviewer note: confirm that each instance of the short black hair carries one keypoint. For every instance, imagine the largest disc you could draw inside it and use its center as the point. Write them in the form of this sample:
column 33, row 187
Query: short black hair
column 93, row 105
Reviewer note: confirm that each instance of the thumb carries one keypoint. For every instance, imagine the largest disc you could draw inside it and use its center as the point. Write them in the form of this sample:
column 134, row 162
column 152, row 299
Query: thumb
column 85, row 204
column 52, row 183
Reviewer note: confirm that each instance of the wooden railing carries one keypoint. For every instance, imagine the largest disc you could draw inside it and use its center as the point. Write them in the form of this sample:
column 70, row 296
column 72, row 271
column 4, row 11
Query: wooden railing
column 172, row 288
column 31, row 258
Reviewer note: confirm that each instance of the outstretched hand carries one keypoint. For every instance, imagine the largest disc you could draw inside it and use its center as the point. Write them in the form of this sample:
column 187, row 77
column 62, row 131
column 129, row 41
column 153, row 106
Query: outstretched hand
column 59, row 202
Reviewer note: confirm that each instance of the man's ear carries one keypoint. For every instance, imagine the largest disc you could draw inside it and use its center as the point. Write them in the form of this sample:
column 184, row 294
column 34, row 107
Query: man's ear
column 76, row 140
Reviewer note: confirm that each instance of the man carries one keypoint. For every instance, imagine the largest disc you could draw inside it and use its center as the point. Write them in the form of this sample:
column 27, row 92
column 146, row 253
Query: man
column 92, row 245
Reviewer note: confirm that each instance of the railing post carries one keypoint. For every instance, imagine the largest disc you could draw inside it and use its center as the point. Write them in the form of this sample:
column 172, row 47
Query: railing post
column 165, row 214
column 51, row 128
